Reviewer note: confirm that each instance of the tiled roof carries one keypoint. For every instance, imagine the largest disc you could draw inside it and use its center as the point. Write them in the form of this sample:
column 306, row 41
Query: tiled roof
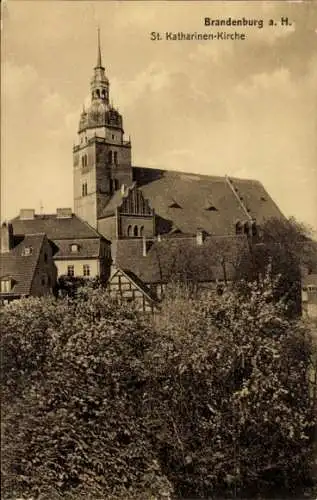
column 21, row 268
column 114, row 202
column 87, row 248
column 180, row 257
column 54, row 227
column 215, row 204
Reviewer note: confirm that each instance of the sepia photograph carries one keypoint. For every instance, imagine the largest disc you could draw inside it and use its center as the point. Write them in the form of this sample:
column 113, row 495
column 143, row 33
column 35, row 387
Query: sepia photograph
column 158, row 264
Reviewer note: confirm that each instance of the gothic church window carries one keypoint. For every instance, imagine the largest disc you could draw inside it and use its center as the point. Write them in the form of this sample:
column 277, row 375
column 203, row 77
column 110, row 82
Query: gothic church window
column 135, row 231
column 141, row 231
column 129, row 232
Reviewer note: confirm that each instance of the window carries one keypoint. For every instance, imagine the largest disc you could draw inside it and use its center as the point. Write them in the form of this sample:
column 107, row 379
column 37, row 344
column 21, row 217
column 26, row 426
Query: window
column 27, row 251
column 112, row 136
column 115, row 157
column 116, row 184
column 98, row 93
column 86, row 270
column 74, row 248
column 43, row 281
column 254, row 229
column 84, row 159
column 45, row 257
column 129, row 232
column 6, row 285
column 84, row 189
column 110, row 157
column 135, row 231
column 239, row 228
column 141, row 230
column 246, row 228
column 70, row 271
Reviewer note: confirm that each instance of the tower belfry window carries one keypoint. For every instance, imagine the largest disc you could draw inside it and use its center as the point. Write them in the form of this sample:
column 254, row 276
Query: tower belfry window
column 115, row 157
column 110, row 157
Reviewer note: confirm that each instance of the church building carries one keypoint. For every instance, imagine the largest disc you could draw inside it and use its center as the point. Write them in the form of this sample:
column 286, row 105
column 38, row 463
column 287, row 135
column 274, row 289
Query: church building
column 139, row 208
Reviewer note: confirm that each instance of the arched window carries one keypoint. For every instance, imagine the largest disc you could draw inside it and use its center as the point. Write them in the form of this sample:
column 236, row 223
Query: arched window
column 82, row 161
column 116, row 184
column 115, row 157
column 135, row 231
column 98, row 93
column 110, row 157
column 129, row 231
column 254, row 229
column 239, row 228
column 141, row 231
column 103, row 93
column 246, row 228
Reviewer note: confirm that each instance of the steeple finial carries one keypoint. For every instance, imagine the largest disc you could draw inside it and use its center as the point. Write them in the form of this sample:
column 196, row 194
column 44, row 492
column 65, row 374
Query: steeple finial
column 99, row 63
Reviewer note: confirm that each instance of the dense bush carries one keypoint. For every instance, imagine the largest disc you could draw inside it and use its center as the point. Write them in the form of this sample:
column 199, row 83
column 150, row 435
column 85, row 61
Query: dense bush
column 211, row 400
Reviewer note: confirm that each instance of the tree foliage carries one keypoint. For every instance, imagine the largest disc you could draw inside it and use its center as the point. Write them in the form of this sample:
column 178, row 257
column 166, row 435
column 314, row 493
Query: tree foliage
column 285, row 247
column 211, row 400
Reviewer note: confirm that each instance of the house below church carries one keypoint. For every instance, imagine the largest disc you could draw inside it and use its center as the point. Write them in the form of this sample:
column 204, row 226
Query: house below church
column 26, row 265
column 78, row 249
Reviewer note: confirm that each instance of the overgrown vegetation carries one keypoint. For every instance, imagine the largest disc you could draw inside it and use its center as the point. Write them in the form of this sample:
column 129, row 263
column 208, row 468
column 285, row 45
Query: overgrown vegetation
column 212, row 400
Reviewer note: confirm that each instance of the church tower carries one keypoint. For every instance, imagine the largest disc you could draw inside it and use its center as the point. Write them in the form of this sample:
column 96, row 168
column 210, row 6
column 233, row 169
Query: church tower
column 101, row 156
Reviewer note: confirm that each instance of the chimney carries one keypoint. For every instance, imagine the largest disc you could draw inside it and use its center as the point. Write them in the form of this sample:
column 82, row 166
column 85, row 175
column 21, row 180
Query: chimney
column 27, row 213
column 63, row 213
column 6, row 237
column 200, row 236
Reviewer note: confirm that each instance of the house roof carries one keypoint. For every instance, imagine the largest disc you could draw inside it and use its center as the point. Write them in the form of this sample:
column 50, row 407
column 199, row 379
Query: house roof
column 88, row 248
column 21, row 268
column 63, row 231
column 192, row 201
column 56, row 228
column 180, row 257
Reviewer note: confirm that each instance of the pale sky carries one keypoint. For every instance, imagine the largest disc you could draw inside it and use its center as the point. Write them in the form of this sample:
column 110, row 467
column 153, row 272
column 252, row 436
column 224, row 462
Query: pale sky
column 243, row 108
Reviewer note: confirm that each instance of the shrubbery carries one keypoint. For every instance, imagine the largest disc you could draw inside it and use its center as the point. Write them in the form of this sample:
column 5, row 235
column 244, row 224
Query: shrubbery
column 211, row 400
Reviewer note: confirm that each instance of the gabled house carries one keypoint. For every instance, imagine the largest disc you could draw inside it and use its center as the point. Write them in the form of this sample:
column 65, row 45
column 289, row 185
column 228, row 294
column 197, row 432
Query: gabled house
column 78, row 249
column 124, row 286
column 26, row 265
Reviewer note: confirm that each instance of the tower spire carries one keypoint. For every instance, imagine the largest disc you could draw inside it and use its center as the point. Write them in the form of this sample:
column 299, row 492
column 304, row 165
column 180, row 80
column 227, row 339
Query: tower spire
column 99, row 63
